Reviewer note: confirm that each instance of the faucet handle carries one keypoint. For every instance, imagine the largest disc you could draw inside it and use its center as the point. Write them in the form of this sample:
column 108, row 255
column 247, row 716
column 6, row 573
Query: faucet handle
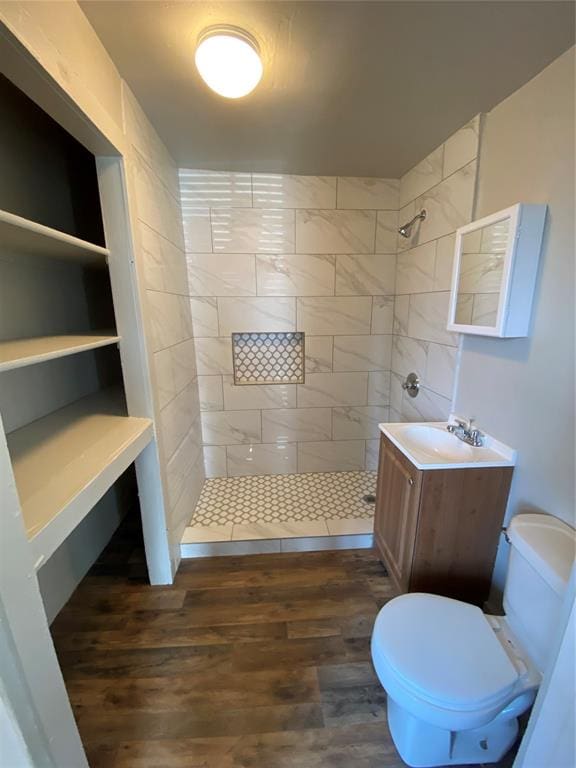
column 456, row 426
column 465, row 424
column 477, row 437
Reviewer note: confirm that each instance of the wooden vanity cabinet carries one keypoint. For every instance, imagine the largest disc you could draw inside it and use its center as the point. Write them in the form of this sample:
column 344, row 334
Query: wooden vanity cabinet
column 437, row 530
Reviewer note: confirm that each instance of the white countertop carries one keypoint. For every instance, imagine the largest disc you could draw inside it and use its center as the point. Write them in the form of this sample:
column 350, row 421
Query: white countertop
column 429, row 455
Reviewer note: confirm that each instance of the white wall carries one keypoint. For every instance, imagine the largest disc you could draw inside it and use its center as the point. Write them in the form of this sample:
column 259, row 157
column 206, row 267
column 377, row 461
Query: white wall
column 522, row 390
column 13, row 749
column 64, row 570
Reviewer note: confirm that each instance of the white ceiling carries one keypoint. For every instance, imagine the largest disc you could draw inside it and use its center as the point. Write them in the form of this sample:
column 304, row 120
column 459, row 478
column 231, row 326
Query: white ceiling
column 350, row 88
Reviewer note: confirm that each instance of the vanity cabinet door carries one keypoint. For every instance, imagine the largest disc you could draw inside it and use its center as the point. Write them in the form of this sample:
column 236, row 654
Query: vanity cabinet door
column 396, row 514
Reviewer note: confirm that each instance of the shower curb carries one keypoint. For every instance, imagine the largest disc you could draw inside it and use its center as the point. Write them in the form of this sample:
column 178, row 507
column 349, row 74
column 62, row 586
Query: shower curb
column 265, row 546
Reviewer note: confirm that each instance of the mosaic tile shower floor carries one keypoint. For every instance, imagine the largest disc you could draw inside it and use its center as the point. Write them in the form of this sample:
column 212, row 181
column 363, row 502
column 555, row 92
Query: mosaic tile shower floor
column 279, row 498
column 275, row 513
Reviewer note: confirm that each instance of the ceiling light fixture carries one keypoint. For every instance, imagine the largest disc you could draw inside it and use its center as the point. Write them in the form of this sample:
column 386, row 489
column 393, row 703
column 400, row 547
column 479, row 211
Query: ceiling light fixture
column 228, row 60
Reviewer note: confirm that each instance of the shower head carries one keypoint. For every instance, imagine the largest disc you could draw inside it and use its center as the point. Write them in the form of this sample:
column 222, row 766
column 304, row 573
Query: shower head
column 406, row 229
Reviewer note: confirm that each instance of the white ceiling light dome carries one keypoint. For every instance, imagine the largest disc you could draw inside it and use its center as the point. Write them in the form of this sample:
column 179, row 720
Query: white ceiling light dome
column 228, row 60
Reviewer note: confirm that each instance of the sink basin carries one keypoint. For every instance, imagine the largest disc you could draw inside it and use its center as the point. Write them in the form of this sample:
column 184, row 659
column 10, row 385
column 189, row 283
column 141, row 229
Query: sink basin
column 440, row 444
column 431, row 446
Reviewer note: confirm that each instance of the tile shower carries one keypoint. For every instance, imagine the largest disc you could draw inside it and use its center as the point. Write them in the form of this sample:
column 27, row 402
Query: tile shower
column 273, row 253
column 269, row 253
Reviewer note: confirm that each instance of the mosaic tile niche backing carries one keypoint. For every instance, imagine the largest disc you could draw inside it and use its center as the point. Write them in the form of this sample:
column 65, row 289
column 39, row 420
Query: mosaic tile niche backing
column 268, row 358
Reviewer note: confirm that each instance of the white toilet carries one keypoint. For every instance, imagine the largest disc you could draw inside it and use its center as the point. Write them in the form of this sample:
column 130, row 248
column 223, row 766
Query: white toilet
column 457, row 679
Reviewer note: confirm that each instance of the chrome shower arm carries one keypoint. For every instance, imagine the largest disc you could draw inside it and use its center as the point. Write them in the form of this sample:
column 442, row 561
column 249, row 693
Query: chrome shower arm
column 405, row 229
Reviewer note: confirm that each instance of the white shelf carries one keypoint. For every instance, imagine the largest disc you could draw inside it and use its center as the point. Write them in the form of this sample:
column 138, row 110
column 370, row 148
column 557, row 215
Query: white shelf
column 17, row 353
column 65, row 462
column 27, row 237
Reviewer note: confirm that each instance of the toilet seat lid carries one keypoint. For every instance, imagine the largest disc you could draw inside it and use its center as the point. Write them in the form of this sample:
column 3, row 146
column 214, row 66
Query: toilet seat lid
column 444, row 651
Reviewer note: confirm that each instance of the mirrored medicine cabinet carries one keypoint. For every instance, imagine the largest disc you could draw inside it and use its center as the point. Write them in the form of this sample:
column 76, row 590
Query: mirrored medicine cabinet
column 494, row 272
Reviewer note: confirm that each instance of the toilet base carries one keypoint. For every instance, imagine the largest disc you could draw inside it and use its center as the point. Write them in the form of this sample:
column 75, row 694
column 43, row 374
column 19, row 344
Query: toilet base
column 424, row 746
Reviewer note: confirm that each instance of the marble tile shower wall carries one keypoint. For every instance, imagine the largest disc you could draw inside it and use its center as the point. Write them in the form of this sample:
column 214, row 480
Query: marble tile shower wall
column 444, row 184
column 160, row 251
column 270, row 252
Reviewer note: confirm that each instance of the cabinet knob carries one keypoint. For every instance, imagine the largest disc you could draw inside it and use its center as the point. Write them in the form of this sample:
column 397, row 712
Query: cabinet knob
column 410, row 481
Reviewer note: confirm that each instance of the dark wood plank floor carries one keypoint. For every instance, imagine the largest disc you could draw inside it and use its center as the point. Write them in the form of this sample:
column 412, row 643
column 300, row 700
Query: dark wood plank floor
column 246, row 662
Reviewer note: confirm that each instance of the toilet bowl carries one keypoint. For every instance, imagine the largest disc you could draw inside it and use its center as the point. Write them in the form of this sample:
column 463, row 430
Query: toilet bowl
column 458, row 679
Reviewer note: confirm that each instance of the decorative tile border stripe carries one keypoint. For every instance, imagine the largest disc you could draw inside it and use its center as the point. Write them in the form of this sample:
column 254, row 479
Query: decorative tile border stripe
column 268, row 358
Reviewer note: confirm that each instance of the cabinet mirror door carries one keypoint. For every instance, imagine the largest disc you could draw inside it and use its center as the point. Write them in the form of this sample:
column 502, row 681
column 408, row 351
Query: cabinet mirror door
column 481, row 273
column 495, row 264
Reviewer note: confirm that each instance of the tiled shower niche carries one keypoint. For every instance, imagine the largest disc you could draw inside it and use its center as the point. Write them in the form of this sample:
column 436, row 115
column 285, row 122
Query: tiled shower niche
column 268, row 358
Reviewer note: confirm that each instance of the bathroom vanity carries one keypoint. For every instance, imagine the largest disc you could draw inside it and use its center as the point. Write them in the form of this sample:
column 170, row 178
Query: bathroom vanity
column 440, row 504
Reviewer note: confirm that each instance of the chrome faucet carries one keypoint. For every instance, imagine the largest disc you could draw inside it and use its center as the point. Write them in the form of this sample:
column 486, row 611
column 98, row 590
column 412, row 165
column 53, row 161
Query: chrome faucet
column 465, row 431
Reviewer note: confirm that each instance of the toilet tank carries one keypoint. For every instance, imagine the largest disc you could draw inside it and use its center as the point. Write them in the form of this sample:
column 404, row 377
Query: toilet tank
column 541, row 557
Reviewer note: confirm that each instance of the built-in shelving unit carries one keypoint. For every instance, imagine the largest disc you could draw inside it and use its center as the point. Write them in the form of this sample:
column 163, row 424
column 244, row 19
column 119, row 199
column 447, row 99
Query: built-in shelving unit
column 27, row 237
column 75, row 397
column 20, row 352
column 66, row 437
column 66, row 461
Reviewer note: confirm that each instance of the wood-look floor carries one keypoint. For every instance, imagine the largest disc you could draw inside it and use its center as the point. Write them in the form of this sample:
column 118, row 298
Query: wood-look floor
column 260, row 661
